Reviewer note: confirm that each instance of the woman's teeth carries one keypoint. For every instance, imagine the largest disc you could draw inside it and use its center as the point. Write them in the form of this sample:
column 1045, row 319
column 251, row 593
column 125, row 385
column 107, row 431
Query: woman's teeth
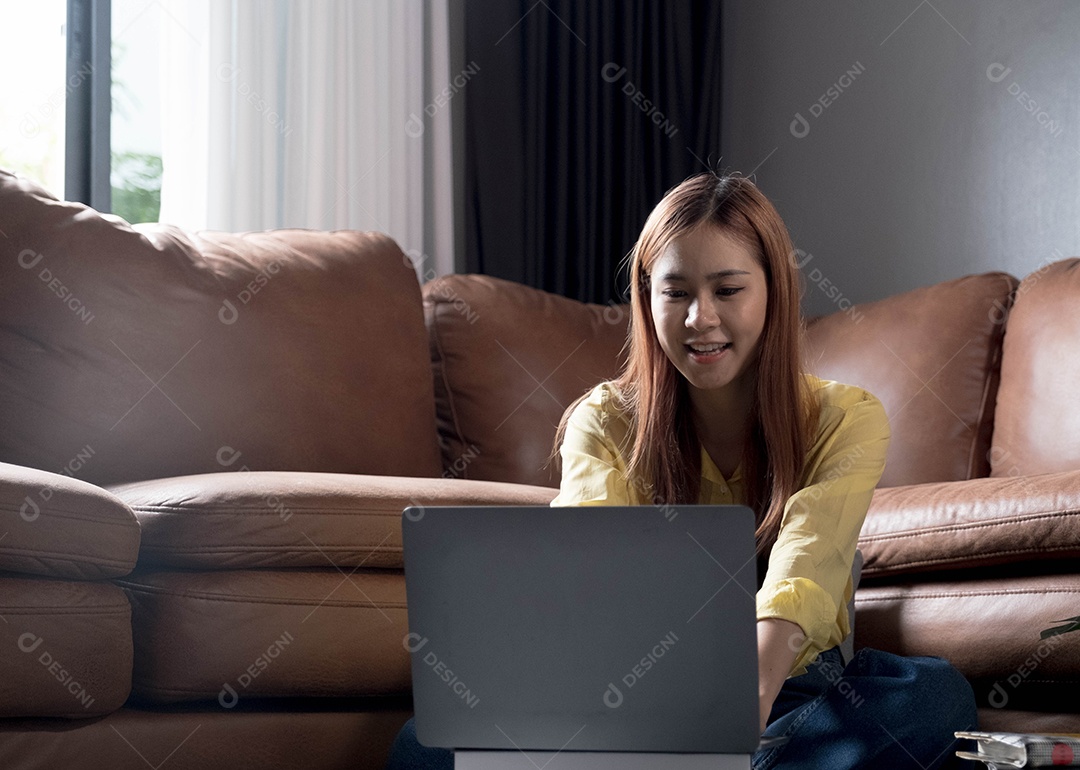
column 710, row 348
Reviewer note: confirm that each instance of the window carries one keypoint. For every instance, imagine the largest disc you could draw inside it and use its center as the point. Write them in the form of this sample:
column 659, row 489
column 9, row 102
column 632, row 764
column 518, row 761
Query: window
column 35, row 90
column 41, row 140
column 136, row 110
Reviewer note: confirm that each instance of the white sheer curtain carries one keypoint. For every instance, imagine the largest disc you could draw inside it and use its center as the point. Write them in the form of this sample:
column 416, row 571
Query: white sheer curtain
column 322, row 114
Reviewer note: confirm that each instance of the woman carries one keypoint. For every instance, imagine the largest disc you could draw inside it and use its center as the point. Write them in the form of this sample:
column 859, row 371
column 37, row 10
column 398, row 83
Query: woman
column 713, row 407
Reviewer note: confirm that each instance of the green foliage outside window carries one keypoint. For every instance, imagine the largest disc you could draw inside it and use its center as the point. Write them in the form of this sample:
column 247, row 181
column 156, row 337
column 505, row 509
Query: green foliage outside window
column 136, row 186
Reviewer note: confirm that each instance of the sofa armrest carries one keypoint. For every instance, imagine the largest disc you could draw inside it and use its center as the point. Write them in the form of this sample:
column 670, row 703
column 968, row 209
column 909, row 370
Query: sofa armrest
column 56, row 526
column 293, row 519
column 972, row 525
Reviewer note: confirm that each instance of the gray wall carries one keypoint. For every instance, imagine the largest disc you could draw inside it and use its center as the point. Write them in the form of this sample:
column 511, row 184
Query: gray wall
column 953, row 147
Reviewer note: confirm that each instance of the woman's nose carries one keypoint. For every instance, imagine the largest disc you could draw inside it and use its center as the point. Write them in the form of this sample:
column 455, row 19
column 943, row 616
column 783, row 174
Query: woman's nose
column 702, row 315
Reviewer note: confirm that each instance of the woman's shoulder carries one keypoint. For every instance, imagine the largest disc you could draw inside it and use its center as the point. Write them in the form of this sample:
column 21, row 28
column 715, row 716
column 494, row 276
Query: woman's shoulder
column 838, row 394
column 605, row 399
column 840, row 402
column 602, row 410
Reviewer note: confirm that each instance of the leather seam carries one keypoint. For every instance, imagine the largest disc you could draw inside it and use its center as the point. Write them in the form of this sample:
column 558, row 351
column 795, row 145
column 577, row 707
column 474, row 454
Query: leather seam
column 1068, row 681
column 75, row 516
column 1011, row 521
column 76, row 559
column 966, row 559
column 146, row 687
column 258, row 599
column 279, row 548
column 67, row 611
column 969, row 594
column 263, row 510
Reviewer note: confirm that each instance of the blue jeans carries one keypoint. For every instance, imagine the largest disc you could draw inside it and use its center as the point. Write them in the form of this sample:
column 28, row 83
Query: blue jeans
column 881, row 711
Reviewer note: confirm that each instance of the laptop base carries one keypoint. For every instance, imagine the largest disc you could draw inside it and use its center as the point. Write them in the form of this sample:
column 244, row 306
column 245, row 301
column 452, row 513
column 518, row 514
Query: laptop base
column 596, row 760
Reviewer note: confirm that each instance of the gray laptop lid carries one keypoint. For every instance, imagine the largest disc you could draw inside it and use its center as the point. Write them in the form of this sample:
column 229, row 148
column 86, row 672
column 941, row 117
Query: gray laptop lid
column 583, row 628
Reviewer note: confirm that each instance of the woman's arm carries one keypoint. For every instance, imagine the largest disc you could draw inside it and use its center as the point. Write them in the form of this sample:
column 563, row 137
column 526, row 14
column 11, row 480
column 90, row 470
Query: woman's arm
column 810, row 563
column 778, row 642
column 593, row 470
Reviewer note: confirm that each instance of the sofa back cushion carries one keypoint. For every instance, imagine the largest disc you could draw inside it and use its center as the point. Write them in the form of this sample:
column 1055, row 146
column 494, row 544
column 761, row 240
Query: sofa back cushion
column 136, row 353
column 932, row 356
column 508, row 360
column 1037, row 426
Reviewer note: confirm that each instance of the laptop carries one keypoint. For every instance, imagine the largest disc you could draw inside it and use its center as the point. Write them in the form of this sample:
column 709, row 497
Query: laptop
column 583, row 629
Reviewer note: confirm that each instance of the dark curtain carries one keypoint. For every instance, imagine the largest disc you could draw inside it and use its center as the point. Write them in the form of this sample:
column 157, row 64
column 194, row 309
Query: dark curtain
column 579, row 115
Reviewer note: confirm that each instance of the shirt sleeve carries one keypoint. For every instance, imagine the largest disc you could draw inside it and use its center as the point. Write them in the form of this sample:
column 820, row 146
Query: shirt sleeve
column 593, row 471
column 808, row 581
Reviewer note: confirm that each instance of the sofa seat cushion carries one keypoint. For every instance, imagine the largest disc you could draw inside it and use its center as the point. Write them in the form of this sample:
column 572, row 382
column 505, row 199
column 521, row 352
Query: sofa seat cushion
column 972, row 525
column 989, row 629
column 1008, row 720
column 172, row 353
column 932, row 356
column 1037, row 422
column 508, row 360
column 57, row 526
column 293, row 519
column 230, row 635
column 67, row 648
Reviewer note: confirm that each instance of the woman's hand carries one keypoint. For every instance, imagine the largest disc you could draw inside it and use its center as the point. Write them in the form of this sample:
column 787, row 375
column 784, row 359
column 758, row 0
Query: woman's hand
column 779, row 642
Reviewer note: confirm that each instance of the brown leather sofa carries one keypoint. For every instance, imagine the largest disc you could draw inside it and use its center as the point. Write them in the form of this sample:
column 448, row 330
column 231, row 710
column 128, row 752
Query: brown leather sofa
column 206, row 442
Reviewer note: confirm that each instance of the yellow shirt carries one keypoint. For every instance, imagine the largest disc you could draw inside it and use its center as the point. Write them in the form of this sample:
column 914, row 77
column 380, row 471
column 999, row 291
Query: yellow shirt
column 809, row 577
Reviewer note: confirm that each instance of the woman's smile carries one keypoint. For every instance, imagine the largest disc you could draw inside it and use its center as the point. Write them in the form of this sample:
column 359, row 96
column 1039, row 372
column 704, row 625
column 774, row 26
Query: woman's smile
column 707, row 353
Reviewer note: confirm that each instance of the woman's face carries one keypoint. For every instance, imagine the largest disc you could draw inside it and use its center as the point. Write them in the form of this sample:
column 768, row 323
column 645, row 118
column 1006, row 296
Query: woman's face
column 708, row 299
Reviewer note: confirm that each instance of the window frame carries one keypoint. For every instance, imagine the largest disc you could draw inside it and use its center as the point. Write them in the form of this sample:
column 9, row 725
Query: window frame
column 88, row 108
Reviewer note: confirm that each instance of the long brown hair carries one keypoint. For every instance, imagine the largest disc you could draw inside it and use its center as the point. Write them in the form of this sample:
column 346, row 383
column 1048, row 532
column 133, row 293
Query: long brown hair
column 664, row 459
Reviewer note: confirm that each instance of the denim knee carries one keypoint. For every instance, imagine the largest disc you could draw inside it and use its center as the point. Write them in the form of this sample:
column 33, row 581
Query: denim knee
column 408, row 753
column 916, row 702
column 953, row 700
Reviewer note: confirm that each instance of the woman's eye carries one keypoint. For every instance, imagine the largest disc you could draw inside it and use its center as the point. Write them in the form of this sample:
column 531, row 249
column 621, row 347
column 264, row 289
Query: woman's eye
column 729, row 291
column 673, row 293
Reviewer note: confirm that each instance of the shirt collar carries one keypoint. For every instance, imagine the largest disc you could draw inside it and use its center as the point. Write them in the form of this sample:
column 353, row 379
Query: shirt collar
column 713, row 474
